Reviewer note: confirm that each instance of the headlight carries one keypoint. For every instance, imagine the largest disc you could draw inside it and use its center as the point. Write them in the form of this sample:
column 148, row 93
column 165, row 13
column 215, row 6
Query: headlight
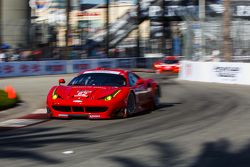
column 109, row 97
column 54, row 95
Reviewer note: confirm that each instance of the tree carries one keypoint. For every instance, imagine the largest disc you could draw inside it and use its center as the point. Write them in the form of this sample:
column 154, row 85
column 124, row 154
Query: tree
column 227, row 41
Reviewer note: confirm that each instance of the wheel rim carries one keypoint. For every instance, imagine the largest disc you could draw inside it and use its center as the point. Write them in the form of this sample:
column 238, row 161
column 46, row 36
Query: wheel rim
column 122, row 113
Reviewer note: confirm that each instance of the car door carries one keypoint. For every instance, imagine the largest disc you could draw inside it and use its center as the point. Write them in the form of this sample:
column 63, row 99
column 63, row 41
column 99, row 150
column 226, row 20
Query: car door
column 139, row 88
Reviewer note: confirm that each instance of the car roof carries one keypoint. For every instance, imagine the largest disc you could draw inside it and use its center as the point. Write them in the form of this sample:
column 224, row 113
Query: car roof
column 170, row 58
column 106, row 70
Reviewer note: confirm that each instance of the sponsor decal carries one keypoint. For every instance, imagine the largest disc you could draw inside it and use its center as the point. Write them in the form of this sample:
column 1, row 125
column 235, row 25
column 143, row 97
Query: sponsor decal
column 35, row 68
column 94, row 116
column 24, row 68
column 79, row 67
column 77, row 101
column 63, row 115
column 55, row 68
column 83, row 93
column 188, row 69
column 228, row 73
column 8, row 69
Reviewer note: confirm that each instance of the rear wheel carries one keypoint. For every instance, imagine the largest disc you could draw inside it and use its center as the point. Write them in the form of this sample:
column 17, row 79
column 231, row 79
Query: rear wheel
column 156, row 99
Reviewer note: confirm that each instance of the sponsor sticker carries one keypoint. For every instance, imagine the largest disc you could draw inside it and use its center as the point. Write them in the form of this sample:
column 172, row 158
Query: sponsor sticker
column 63, row 115
column 83, row 93
column 77, row 101
column 94, row 116
column 227, row 72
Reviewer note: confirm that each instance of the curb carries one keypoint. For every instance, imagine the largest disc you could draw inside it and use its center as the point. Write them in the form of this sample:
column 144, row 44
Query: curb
column 35, row 117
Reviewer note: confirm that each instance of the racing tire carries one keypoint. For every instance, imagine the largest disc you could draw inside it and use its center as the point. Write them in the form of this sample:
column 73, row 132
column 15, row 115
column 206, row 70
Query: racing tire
column 122, row 113
column 156, row 99
column 131, row 104
column 49, row 114
column 129, row 109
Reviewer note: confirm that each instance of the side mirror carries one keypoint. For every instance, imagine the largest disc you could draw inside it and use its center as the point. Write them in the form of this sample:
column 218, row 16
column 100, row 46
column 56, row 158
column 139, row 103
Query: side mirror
column 140, row 82
column 61, row 81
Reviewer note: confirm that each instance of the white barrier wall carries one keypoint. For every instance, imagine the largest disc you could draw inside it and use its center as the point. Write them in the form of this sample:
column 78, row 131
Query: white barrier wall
column 218, row 72
column 28, row 68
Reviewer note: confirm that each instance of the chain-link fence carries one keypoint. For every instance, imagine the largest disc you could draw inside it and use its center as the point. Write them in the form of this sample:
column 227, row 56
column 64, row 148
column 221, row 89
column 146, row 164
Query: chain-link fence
column 204, row 41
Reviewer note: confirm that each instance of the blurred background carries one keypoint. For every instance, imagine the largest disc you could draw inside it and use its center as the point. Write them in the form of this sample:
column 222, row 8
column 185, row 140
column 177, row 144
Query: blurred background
column 198, row 30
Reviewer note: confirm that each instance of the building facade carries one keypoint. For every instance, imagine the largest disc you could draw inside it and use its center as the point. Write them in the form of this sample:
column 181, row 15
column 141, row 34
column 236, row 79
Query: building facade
column 14, row 26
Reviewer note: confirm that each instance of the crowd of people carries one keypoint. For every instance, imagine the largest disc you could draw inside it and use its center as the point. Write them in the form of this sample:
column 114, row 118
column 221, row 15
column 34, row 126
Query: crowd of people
column 43, row 54
column 8, row 55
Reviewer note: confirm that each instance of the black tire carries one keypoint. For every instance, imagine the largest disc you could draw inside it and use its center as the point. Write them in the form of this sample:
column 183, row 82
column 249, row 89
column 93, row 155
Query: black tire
column 131, row 106
column 122, row 113
column 49, row 114
column 156, row 99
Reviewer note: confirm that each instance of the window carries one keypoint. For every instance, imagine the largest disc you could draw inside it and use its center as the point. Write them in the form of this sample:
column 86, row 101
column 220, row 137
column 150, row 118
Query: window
column 132, row 79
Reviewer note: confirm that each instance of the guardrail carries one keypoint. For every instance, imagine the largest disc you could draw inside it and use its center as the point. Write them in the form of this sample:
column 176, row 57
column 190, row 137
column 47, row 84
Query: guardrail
column 33, row 68
column 218, row 72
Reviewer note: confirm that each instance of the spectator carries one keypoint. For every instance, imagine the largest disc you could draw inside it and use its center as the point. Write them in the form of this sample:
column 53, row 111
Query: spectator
column 15, row 56
column 2, row 56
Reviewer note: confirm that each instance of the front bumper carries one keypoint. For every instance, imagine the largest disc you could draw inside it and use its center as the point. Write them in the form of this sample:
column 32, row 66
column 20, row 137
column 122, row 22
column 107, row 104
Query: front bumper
column 96, row 109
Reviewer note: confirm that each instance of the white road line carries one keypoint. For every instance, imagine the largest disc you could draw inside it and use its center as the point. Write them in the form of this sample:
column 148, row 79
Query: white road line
column 17, row 123
column 68, row 152
column 40, row 111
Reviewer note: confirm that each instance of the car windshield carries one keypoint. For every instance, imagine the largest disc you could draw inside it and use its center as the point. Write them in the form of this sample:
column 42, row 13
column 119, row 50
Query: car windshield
column 98, row 79
column 171, row 61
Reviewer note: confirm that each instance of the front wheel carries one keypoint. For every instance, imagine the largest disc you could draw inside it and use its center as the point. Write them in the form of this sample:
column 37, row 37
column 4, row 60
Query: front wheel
column 129, row 109
column 131, row 105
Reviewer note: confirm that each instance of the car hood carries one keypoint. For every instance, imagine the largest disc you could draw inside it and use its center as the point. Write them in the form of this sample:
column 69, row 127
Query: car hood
column 85, row 92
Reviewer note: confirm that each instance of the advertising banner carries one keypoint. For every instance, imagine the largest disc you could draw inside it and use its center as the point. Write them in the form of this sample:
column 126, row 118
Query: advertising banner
column 106, row 63
column 217, row 72
column 55, row 67
column 9, row 69
column 30, row 68
column 125, row 63
column 80, row 65
column 227, row 72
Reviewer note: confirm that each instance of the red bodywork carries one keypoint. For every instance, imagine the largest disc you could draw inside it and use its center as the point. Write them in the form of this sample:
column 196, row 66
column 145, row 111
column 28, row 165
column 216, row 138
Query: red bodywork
column 88, row 101
column 168, row 64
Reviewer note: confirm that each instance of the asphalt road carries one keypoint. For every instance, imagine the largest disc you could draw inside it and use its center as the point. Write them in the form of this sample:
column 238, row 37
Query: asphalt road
column 197, row 125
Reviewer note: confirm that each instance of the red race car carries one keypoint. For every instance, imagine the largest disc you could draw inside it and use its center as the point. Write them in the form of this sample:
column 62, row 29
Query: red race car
column 102, row 94
column 169, row 64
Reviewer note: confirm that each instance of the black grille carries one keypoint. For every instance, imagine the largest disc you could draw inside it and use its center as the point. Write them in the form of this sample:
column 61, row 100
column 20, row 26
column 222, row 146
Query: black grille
column 77, row 109
column 61, row 108
column 96, row 109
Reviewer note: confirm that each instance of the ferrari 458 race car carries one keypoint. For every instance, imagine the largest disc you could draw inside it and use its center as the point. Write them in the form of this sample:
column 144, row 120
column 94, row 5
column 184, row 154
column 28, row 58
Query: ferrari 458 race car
column 168, row 64
column 102, row 94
